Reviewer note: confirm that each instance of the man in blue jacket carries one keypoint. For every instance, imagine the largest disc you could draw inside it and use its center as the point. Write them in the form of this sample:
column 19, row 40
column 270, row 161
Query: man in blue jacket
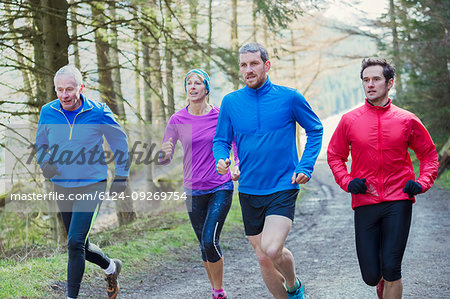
column 69, row 148
column 262, row 117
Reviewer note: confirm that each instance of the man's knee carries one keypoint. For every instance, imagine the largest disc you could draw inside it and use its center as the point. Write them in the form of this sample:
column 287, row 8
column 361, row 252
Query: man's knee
column 261, row 256
column 272, row 251
column 263, row 259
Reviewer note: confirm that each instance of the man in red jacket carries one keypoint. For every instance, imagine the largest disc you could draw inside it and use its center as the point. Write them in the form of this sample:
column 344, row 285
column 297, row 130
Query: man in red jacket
column 381, row 180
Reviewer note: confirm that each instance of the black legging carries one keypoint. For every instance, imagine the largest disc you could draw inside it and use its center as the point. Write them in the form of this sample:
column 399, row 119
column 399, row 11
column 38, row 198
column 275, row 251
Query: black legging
column 381, row 233
column 207, row 214
column 78, row 217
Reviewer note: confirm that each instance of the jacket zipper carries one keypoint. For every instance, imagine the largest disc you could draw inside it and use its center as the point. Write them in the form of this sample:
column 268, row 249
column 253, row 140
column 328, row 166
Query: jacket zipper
column 380, row 156
column 258, row 118
column 68, row 122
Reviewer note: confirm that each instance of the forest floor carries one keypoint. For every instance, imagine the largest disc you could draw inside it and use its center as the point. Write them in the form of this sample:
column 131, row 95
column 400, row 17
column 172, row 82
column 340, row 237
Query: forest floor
column 322, row 242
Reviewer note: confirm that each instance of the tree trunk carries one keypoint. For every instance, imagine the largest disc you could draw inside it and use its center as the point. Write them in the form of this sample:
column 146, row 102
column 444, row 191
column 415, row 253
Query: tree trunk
column 255, row 29
column 396, row 54
column 210, row 29
column 151, row 43
column 168, row 56
column 137, row 81
column 234, row 43
column 50, row 45
column 273, row 45
column 158, row 98
column 444, row 158
column 266, row 33
column 148, row 115
column 55, row 40
column 193, row 20
column 108, row 88
column 55, row 44
column 39, row 64
column 74, row 39
column 169, row 83
column 105, row 81
column 115, row 64
column 125, row 209
column 294, row 67
column 137, row 67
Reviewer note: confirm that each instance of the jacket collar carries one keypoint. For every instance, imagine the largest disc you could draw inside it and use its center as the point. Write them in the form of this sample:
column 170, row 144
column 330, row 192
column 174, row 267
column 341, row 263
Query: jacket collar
column 385, row 107
column 87, row 105
column 263, row 89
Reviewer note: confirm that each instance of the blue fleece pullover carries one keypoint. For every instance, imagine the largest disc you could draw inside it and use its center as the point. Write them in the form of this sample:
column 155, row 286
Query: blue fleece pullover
column 77, row 149
column 262, row 122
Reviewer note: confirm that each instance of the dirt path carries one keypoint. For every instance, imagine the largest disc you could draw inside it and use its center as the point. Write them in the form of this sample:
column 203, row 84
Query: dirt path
column 322, row 241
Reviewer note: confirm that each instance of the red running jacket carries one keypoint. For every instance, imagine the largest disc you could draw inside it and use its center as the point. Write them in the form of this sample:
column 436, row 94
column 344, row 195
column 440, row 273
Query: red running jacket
column 379, row 138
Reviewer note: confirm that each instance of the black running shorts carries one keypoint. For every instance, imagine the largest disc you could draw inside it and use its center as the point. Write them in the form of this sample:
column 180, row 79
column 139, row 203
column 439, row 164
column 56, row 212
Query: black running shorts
column 255, row 208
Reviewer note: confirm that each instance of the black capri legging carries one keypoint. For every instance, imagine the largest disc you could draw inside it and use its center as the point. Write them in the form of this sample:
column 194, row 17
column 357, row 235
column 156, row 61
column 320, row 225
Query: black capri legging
column 381, row 233
column 207, row 214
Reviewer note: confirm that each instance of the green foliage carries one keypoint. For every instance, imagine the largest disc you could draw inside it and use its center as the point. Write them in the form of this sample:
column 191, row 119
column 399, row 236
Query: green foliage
column 150, row 240
column 422, row 61
column 279, row 13
column 19, row 230
column 31, row 278
column 444, row 179
column 143, row 245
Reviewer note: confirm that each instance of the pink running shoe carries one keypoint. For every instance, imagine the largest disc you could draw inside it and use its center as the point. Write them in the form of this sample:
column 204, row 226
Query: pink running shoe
column 219, row 294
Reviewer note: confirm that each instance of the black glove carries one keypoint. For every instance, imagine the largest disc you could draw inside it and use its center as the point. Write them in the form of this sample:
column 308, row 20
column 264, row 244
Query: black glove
column 119, row 184
column 357, row 186
column 49, row 169
column 412, row 188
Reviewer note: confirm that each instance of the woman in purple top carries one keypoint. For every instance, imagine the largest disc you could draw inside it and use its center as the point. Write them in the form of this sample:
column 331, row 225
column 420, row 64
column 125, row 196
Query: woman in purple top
column 209, row 194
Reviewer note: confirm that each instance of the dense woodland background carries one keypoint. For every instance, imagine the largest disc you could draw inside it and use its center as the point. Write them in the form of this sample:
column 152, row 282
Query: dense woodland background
column 134, row 55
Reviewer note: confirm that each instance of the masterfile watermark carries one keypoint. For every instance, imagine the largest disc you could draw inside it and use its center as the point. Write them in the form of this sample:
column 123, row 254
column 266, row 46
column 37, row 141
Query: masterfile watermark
column 83, row 155
column 140, row 153
column 99, row 195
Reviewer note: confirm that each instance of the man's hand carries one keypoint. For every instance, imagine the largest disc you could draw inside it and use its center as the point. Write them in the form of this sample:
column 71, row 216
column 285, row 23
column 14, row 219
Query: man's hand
column 167, row 149
column 412, row 188
column 299, row 178
column 236, row 173
column 119, row 184
column 49, row 169
column 222, row 166
column 357, row 186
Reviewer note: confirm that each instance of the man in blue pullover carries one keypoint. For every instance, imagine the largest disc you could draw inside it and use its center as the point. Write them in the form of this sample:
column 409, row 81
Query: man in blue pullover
column 262, row 117
column 69, row 149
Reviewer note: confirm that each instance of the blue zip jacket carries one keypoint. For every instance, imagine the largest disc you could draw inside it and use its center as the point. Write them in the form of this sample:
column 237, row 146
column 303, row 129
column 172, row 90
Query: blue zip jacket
column 262, row 122
column 77, row 149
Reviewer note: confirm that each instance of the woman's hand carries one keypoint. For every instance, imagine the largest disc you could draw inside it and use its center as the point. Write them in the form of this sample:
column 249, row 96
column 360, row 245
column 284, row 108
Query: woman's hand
column 236, row 173
column 167, row 149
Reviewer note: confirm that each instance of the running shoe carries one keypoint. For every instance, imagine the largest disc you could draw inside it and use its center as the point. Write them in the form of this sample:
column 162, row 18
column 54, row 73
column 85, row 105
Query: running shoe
column 298, row 294
column 220, row 296
column 380, row 289
column 113, row 285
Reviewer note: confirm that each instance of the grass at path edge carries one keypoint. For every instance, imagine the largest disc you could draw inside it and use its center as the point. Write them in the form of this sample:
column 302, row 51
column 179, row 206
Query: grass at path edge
column 143, row 244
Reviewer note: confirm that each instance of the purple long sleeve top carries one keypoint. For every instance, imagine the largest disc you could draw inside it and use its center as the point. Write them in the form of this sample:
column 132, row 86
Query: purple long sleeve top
column 196, row 133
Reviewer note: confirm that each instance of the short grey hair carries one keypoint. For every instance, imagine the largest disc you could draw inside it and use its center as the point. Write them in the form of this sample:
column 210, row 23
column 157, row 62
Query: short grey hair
column 253, row 48
column 70, row 70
